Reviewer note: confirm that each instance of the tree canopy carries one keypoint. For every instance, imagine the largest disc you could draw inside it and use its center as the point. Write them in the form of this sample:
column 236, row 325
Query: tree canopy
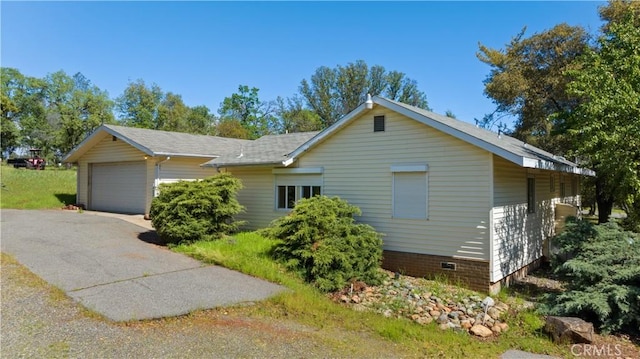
column 148, row 106
column 332, row 93
column 605, row 125
column 54, row 113
column 580, row 99
column 246, row 109
column 528, row 81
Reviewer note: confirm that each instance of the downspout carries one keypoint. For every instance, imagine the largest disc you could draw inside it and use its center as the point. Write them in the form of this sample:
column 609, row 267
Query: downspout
column 156, row 182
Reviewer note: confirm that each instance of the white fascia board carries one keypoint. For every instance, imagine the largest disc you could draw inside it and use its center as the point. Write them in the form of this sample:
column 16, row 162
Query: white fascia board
column 554, row 166
column 298, row 170
column 185, row 155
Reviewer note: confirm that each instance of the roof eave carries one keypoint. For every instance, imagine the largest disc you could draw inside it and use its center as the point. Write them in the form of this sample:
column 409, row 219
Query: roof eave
column 239, row 164
column 555, row 166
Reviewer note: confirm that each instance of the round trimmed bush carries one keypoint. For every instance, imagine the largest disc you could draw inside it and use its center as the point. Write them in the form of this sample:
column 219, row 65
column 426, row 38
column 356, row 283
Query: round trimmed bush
column 321, row 241
column 188, row 211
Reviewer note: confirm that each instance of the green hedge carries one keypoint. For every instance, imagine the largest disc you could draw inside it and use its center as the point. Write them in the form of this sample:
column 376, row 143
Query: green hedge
column 323, row 243
column 188, row 211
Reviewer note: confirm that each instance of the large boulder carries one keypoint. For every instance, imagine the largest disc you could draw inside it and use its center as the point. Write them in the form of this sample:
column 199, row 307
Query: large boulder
column 569, row 330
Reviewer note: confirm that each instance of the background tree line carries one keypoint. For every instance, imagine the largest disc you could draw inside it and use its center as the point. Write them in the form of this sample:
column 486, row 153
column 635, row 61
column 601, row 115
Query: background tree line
column 57, row 112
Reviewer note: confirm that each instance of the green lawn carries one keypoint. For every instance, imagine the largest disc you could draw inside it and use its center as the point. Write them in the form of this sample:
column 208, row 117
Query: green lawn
column 30, row 189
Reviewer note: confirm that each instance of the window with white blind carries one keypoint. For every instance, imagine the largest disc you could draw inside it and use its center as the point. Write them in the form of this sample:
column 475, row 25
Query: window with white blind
column 410, row 191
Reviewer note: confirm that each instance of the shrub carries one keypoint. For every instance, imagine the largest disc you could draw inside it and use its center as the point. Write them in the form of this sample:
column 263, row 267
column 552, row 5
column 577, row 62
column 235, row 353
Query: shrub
column 187, row 211
column 322, row 242
column 602, row 274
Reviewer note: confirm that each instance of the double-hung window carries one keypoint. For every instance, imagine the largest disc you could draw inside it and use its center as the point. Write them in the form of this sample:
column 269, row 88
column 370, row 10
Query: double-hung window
column 410, row 195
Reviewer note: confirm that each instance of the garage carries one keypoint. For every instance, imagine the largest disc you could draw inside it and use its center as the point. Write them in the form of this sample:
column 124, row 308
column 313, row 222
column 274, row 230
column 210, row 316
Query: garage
column 118, row 187
column 119, row 166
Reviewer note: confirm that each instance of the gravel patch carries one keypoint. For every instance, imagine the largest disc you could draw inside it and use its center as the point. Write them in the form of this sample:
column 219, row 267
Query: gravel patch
column 40, row 321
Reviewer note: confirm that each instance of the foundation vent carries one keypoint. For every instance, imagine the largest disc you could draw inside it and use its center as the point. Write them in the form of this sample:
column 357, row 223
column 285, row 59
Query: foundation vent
column 448, row 265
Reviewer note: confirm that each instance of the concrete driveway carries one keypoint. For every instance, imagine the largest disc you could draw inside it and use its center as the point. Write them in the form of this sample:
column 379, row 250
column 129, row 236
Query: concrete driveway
column 105, row 264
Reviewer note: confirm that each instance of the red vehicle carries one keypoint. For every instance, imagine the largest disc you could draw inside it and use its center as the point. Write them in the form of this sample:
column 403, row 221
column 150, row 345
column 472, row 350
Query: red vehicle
column 34, row 162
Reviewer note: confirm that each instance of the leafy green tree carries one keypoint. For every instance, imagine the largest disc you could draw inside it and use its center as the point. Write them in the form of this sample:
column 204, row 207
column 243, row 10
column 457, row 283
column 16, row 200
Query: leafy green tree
column 618, row 10
column 294, row 117
column 138, row 105
column 528, row 81
column 232, row 128
column 200, row 121
column 36, row 123
column 606, row 122
column 173, row 114
column 11, row 92
column 79, row 106
column 332, row 93
column 255, row 116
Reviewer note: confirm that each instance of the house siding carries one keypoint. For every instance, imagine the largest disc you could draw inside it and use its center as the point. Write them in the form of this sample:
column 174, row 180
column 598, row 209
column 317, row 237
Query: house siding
column 176, row 169
column 357, row 167
column 257, row 195
column 518, row 235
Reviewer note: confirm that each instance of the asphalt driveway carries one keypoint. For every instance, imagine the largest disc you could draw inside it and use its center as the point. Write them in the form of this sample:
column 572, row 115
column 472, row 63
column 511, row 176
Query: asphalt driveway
column 104, row 264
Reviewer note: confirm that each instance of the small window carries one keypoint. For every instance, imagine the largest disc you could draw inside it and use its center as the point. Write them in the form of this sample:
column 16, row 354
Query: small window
column 552, row 183
column 574, row 186
column 378, row 124
column 531, row 195
column 563, row 192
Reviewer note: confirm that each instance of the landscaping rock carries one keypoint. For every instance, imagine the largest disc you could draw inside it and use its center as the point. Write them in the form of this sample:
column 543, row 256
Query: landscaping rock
column 412, row 298
column 481, row 331
column 569, row 330
column 494, row 313
column 443, row 318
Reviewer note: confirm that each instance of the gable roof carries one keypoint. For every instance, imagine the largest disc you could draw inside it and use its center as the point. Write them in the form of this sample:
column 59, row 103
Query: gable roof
column 160, row 143
column 507, row 147
column 266, row 150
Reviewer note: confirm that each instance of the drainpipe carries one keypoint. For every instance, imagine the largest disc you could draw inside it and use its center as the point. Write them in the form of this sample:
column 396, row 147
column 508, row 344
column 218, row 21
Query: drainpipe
column 156, row 182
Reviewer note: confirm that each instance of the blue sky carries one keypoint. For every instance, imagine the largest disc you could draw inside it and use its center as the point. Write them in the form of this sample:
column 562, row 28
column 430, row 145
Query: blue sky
column 205, row 50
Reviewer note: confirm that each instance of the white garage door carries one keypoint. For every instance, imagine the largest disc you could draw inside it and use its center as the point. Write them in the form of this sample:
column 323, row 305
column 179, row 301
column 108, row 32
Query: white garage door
column 119, row 187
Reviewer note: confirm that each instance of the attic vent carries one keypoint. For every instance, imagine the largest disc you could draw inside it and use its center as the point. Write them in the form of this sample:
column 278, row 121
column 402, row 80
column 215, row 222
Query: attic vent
column 114, row 138
column 378, row 124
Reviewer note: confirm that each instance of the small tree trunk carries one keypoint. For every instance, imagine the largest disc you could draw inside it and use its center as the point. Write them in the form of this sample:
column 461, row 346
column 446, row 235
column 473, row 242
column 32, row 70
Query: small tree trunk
column 604, row 200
